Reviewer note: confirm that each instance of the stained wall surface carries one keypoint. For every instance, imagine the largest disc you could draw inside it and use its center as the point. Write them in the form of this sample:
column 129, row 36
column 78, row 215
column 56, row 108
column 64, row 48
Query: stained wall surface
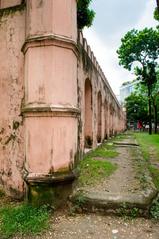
column 55, row 99
column 12, row 35
column 106, row 115
column 9, row 3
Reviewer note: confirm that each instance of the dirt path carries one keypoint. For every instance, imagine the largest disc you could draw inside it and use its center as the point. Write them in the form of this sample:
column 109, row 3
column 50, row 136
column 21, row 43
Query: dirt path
column 125, row 178
column 93, row 226
column 100, row 227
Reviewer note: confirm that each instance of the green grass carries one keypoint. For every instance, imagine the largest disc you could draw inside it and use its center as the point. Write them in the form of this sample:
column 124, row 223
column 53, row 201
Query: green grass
column 22, row 220
column 93, row 170
column 120, row 137
column 104, row 151
column 155, row 174
column 147, row 142
column 150, row 149
column 154, row 210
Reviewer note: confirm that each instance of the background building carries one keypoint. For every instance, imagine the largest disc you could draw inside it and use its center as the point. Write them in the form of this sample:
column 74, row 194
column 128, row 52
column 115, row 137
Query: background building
column 126, row 89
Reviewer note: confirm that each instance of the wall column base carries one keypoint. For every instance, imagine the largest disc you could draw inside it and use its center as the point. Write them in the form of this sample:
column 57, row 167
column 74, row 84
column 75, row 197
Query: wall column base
column 51, row 189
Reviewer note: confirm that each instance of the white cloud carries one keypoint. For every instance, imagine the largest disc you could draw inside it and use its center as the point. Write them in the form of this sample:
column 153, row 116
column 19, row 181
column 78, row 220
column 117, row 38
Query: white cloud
column 105, row 52
column 147, row 17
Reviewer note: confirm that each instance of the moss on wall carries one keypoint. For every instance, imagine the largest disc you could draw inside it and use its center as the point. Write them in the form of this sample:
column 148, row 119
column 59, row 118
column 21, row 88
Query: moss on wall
column 11, row 10
column 50, row 194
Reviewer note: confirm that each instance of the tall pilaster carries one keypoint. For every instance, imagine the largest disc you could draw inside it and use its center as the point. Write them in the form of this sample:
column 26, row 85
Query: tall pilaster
column 50, row 108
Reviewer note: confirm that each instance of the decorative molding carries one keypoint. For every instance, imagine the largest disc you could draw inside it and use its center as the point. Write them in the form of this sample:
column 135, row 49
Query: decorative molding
column 83, row 43
column 6, row 6
column 34, row 110
column 37, row 178
column 50, row 40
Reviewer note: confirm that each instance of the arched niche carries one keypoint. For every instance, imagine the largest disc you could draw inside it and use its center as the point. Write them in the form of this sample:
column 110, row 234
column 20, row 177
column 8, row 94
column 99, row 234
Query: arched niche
column 88, row 132
column 105, row 119
column 99, row 117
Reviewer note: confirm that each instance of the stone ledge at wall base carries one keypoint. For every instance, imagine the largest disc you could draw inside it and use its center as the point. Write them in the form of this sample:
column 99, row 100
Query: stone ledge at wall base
column 51, row 189
column 113, row 203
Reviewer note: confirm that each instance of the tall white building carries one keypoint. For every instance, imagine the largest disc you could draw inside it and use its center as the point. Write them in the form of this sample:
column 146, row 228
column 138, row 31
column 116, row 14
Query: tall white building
column 126, row 90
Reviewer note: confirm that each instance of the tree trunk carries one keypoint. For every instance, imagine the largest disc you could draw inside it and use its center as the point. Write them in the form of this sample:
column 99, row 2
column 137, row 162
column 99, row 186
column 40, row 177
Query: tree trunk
column 150, row 111
column 155, row 111
column 157, row 1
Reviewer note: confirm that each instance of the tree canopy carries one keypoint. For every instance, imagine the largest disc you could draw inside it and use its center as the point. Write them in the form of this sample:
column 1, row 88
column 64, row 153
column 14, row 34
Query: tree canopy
column 136, row 108
column 85, row 15
column 141, row 48
column 136, row 103
column 156, row 14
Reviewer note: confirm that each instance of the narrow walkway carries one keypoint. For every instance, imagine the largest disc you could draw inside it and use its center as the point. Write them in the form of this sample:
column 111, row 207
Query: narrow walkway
column 125, row 178
column 129, row 185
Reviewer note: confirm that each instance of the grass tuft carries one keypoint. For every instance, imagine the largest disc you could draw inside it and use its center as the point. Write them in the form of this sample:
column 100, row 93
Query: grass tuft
column 93, row 170
column 94, row 166
column 23, row 220
column 154, row 210
column 155, row 174
column 104, row 151
column 148, row 143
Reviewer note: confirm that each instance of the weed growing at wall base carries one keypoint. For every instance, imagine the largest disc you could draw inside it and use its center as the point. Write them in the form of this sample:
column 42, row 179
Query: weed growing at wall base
column 22, row 220
column 154, row 211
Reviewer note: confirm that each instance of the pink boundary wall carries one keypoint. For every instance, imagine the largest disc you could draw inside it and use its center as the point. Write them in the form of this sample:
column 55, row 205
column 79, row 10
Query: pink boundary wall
column 42, row 93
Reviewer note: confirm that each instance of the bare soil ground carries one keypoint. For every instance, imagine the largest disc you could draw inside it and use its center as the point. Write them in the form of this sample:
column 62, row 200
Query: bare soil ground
column 93, row 226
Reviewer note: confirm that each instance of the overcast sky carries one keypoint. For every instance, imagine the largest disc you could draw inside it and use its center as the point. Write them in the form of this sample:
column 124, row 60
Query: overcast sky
column 113, row 19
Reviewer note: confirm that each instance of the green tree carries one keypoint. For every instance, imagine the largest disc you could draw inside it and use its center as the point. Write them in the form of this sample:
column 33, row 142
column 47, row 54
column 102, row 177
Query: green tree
column 156, row 14
column 141, row 89
column 85, row 15
column 157, row 2
column 155, row 100
column 136, row 108
column 141, row 47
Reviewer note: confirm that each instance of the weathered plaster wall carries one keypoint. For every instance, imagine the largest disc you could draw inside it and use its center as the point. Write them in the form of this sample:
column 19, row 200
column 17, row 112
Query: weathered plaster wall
column 12, row 35
column 50, row 109
column 9, row 3
column 107, row 116
column 46, row 114
column 52, row 17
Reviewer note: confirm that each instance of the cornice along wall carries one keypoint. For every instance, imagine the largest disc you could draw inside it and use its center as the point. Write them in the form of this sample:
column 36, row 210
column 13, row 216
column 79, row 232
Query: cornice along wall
column 83, row 42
